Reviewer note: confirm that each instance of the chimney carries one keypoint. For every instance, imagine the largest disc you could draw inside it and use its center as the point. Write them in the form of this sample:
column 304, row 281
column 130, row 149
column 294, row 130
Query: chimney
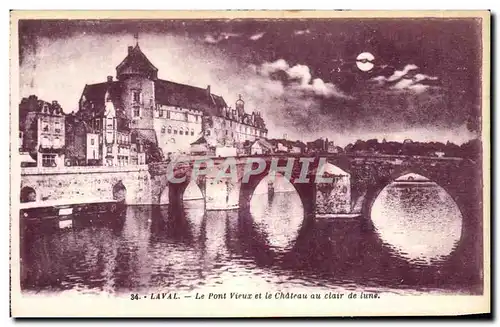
column 130, row 48
column 54, row 102
column 208, row 90
column 110, row 78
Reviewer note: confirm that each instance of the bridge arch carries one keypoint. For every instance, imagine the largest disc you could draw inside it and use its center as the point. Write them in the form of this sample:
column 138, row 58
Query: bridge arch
column 192, row 191
column 119, row 192
column 387, row 227
column 304, row 190
column 28, row 194
column 177, row 191
column 380, row 182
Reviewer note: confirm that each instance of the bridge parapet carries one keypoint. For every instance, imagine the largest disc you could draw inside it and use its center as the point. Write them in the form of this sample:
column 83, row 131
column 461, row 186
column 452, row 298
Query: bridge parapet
column 81, row 169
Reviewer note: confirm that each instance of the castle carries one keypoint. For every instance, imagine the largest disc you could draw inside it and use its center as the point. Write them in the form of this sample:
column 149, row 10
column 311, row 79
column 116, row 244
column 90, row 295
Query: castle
column 169, row 115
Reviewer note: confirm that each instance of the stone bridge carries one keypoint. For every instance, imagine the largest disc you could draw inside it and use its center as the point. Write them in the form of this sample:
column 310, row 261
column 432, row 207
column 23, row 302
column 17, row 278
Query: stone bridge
column 354, row 185
column 334, row 185
column 327, row 185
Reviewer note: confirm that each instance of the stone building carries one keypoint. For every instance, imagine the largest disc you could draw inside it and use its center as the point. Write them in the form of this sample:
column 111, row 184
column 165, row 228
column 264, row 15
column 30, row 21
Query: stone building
column 42, row 131
column 171, row 115
column 109, row 133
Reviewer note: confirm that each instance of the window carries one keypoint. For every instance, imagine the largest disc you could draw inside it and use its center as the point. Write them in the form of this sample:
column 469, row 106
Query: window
column 109, row 149
column 137, row 111
column 91, row 141
column 109, row 123
column 119, row 149
column 48, row 160
column 163, row 129
column 192, row 130
column 175, row 131
column 226, row 132
column 45, row 141
column 208, row 132
column 168, row 114
column 196, row 118
column 160, row 114
column 181, row 131
column 169, row 130
column 45, row 126
column 93, row 154
column 57, row 128
column 136, row 96
column 57, row 142
column 134, row 161
column 186, row 116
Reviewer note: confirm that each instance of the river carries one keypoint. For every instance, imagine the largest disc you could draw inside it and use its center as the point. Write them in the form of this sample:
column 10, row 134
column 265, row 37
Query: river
column 415, row 231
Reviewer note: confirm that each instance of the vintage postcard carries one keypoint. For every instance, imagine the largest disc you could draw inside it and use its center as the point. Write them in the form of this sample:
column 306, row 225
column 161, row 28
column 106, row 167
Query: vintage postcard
column 250, row 163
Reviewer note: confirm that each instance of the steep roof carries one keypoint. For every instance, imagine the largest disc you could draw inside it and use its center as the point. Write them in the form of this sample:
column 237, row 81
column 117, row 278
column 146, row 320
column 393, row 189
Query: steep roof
column 136, row 62
column 32, row 103
column 201, row 140
column 95, row 93
column 186, row 96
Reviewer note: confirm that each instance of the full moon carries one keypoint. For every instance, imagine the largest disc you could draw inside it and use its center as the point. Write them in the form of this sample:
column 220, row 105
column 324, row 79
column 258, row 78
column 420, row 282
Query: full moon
column 364, row 61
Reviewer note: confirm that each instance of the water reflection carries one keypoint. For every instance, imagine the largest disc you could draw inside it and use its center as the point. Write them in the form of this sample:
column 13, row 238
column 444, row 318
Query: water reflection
column 269, row 250
column 279, row 220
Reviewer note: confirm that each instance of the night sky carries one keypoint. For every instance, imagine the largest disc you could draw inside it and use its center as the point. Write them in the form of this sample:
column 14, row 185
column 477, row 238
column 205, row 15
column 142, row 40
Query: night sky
column 300, row 74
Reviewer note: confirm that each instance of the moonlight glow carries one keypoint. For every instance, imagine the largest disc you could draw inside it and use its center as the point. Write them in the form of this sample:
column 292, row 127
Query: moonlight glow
column 364, row 61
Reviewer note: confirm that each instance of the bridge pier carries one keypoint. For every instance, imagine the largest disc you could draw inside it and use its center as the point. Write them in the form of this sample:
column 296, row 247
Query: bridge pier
column 221, row 193
column 332, row 193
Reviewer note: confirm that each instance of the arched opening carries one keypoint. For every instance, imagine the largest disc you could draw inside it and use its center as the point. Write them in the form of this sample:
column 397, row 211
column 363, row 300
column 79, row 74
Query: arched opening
column 119, row 192
column 417, row 219
column 28, row 194
column 277, row 212
column 192, row 196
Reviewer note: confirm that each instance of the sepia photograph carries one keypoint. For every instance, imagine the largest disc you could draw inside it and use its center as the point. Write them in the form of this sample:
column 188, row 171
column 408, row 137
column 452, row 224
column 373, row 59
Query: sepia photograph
column 249, row 163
